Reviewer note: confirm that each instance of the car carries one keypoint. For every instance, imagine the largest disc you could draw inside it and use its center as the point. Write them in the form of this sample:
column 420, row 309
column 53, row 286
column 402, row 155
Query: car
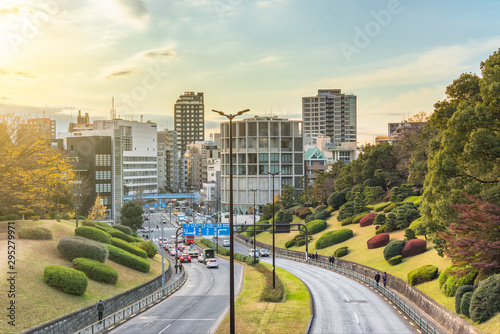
column 185, row 258
column 264, row 252
column 212, row 263
column 172, row 251
column 225, row 243
column 146, row 218
column 180, row 239
column 251, row 251
column 200, row 258
column 164, row 221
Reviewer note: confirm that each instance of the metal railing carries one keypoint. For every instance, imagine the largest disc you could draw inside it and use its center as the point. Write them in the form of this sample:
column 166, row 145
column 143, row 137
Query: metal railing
column 127, row 312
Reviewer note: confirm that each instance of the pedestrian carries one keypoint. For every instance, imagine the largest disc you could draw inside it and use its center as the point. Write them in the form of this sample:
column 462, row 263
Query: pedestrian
column 377, row 278
column 176, row 267
column 384, row 279
column 333, row 259
column 316, row 256
column 180, row 267
column 157, row 227
column 330, row 260
column 246, row 241
column 100, row 310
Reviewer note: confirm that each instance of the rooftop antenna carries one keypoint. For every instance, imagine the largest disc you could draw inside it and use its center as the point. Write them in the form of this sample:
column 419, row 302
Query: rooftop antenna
column 112, row 112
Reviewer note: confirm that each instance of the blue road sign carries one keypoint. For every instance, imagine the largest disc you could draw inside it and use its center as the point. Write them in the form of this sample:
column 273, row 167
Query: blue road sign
column 223, row 229
column 207, row 229
column 156, row 205
column 146, row 205
column 163, row 205
column 190, row 229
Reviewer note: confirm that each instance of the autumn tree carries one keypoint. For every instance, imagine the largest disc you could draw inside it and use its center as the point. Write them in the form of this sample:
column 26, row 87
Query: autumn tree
column 324, row 184
column 98, row 211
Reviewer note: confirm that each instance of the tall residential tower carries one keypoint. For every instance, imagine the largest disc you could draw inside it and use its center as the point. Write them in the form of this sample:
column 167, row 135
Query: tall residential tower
column 189, row 119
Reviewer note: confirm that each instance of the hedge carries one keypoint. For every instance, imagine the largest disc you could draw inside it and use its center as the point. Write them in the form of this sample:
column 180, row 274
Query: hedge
column 414, row 247
column 367, row 220
column 395, row 260
column 290, row 243
column 309, row 218
column 93, row 233
column 314, row 226
column 106, row 226
column 465, row 303
column 452, row 283
column 381, row 206
column 72, row 247
column 340, row 252
column 423, row 274
column 393, row 248
column 389, row 207
column 333, row 237
column 380, row 229
column 377, row 241
column 357, row 218
column 322, row 214
column 485, row 302
column 125, row 229
column 303, row 213
column 270, row 294
column 66, row 279
column 320, row 208
column 120, row 235
column 96, row 270
column 458, row 297
column 127, row 259
column 129, row 247
column 35, row 233
column 148, row 247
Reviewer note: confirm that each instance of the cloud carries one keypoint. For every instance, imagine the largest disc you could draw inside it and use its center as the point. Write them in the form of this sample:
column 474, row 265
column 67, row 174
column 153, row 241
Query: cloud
column 267, row 59
column 17, row 75
column 6, row 11
column 165, row 52
column 268, row 3
column 118, row 74
column 135, row 8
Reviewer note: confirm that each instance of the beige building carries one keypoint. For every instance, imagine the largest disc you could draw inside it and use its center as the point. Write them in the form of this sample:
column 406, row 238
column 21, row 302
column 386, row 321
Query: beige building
column 198, row 156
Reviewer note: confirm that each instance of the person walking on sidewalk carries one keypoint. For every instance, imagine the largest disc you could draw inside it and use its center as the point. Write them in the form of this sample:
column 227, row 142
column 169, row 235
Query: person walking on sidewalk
column 377, row 278
column 100, row 310
column 384, row 279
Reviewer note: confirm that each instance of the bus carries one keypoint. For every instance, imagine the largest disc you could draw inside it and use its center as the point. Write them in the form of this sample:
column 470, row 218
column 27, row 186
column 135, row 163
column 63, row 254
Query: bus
column 189, row 239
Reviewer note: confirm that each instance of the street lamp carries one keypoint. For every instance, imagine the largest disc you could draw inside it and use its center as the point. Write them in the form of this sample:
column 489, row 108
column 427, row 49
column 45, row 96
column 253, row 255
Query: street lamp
column 254, row 233
column 230, row 117
column 274, row 232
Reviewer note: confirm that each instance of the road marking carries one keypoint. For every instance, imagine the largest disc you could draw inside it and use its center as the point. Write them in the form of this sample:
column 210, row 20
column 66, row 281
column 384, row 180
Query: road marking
column 346, row 298
column 334, row 285
column 165, row 328
column 357, row 320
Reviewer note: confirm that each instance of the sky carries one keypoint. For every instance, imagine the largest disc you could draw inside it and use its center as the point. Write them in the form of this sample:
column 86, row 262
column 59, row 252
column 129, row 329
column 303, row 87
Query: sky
column 61, row 56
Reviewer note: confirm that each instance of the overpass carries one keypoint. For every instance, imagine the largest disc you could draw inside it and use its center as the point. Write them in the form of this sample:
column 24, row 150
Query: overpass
column 193, row 195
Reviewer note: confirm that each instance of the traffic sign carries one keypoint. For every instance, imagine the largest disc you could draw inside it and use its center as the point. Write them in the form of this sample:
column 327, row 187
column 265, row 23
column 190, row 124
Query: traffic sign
column 223, row 229
column 146, row 205
column 207, row 229
column 164, row 205
column 190, row 229
column 156, row 205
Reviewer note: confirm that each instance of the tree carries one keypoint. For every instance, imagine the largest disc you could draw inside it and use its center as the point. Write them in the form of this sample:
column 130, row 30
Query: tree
column 80, row 189
column 325, row 182
column 380, row 218
column 131, row 215
column 288, row 196
column 410, row 234
column 473, row 240
column 98, row 211
column 337, row 199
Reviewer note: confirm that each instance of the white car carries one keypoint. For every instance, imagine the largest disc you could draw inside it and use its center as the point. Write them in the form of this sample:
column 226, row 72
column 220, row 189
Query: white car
column 225, row 243
column 251, row 251
column 212, row 263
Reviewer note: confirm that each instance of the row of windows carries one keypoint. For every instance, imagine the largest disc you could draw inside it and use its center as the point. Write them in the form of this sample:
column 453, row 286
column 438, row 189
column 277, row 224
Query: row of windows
column 273, row 129
column 137, row 159
column 251, row 158
column 140, row 173
column 262, row 169
column 103, row 175
column 103, row 187
column 103, row 160
column 264, row 143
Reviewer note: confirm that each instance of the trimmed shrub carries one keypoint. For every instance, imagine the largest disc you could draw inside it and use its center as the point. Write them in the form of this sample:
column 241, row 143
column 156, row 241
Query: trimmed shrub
column 336, row 200
column 485, row 301
column 129, row 247
column 125, row 229
column 416, row 226
column 395, row 260
column 321, row 214
column 320, row 208
column 333, row 237
column 314, row 226
column 414, row 247
column 423, row 274
column 72, row 247
column 67, row 280
column 389, row 207
column 340, row 252
column 357, row 218
column 303, row 213
column 345, row 222
column 10, row 217
column 393, row 248
column 88, row 222
column 380, row 229
column 93, row 233
column 443, row 277
column 127, row 259
column 301, row 242
column 449, row 288
column 270, row 294
column 96, row 270
column 381, row 206
column 367, row 220
column 410, row 234
column 465, row 303
column 309, row 218
column 379, row 240
column 102, row 228
column 106, row 226
column 120, row 235
column 148, row 247
column 290, row 243
column 35, row 233
column 458, row 297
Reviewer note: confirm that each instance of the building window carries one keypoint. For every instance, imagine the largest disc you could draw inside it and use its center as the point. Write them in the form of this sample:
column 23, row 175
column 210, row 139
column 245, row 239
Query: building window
column 252, row 158
column 263, row 143
column 252, row 170
column 286, row 157
column 263, row 157
column 263, row 169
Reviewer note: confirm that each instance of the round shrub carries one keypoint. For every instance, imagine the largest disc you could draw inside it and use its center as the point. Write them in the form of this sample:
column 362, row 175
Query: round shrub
column 414, row 247
column 377, row 241
column 120, row 235
column 340, row 252
column 72, row 247
column 423, row 274
column 290, row 243
column 309, row 218
column 125, row 229
column 333, row 237
column 96, row 270
column 357, row 218
column 485, row 301
column 465, row 303
column 393, row 248
column 102, row 228
column 129, row 247
column 148, row 247
column 301, row 242
column 322, row 214
column 106, row 226
column 382, row 206
column 416, row 224
column 303, row 213
column 35, row 233
column 395, row 260
column 93, row 233
column 88, row 222
column 443, row 277
column 458, row 297
column 320, row 208
column 452, row 283
column 127, row 259
column 380, row 229
column 66, row 279
column 367, row 220
column 315, row 226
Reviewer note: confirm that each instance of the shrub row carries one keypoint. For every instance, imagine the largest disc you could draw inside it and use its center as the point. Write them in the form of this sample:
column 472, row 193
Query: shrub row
column 127, row 259
column 9, row 217
column 314, row 226
column 270, row 294
column 380, row 229
column 96, row 270
column 485, row 302
column 247, row 259
column 377, row 241
column 367, row 220
column 340, row 252
column 93, row 233
column 125, row 229
column 423, row 274
column 414, row 247
column 66, row 279
column 389, row 207
column 458, row 298
column 449, row 283
column 354, row 219
column 120, row 235
column 129, row 247
column 303, row 213
column 298, row 240
column 333, row 237
column 146, row 246
column 395, row 260
column 393, row 248
column 72, row 247
column 381, row 206
column 35, row 233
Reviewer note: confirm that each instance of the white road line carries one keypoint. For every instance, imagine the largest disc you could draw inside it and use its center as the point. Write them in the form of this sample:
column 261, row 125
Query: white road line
column 165, row 328
column 347, row 298
column 334, row 285
column 357, row 320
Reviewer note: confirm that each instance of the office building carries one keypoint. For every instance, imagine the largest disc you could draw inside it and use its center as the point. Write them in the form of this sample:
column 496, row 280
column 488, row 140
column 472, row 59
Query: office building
column 189, row 119
column 42, row 127
column 82, row 124
column 314, row 162
column 199, row 155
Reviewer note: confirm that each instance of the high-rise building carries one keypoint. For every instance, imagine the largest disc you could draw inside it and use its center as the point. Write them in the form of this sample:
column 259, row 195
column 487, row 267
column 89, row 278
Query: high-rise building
column 330, row 113
column 189, row 119
column 198, row 156
column 43, row 127
column 82, row 124
column 168, row 161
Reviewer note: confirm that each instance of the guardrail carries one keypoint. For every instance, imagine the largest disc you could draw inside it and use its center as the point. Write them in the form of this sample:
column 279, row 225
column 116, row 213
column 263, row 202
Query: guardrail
column 127, row 312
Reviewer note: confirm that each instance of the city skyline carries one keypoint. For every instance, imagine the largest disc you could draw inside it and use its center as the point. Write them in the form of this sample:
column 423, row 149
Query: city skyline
column 397, row 57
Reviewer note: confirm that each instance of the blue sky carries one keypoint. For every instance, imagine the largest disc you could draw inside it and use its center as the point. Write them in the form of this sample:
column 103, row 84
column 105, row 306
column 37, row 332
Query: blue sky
column 62, row 56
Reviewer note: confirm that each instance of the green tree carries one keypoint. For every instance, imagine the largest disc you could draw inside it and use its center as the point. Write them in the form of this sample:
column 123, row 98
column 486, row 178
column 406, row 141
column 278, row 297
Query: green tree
column 380, row 219
column 131, row 215
column 288, row 196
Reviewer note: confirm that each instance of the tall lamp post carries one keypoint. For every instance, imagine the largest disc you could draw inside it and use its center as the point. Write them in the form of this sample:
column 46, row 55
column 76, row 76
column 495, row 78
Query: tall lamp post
column 230, row 117
column 254, row 234
column 274, row 232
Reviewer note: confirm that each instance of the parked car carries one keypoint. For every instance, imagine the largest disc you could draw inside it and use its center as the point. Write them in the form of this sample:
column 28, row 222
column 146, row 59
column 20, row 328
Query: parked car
column 264, row 252
column 225, row 243
column 185, row 258
column 251, row 251
column 212, row 263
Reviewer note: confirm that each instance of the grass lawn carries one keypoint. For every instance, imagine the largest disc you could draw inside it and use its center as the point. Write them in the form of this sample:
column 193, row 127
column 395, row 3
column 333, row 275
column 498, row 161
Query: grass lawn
column 36, row 302
column 255, row 316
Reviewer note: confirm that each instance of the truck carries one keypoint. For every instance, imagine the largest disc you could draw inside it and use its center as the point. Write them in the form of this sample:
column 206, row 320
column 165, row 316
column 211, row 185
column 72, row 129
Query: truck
column 208, row 253
column 181, row 219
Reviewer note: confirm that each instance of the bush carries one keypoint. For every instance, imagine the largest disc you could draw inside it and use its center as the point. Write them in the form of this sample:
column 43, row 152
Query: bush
column 35, row 218
column 315, row 226
column 458, row 297
column 452, row 283
column 120, row 235
column 367, row 220
column 35, row 233
column 380, row 229
column 357, row 218
column 303, row 213
column 485, row 301
column 336, row 200
column 465, row 303
column 345, row 222
column 301, row 242
column 270, row 294
column 72, row 247
column 148, row 247
column 395, row 260
column 10, row 217
column 389, row 207
column 96, row 270
column 88, row 222
column 320, row 208
column 127, row 259
column 66, row 279
column 290, row 243
column 125, row 229
column 104, row 225
column 423, row 274
column 414, row 247
column 340, row 252
column 129, row 247
column 417, row 226
column 393, row 248
column 321, row 214
column 333, row 237
column 309, row 218
column 381, row 206
column 410, row 234
column 93, row 233
column 443, row 277
column 377, row 241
